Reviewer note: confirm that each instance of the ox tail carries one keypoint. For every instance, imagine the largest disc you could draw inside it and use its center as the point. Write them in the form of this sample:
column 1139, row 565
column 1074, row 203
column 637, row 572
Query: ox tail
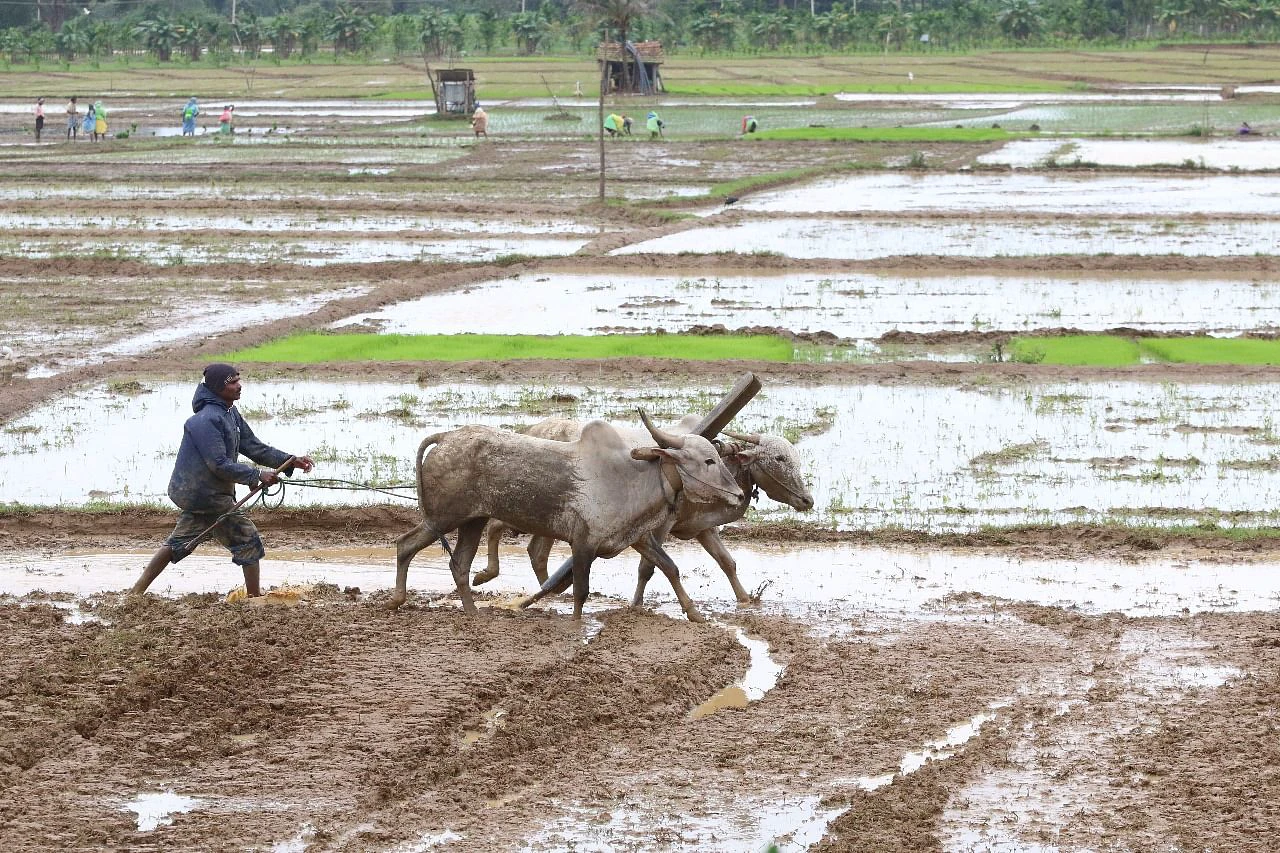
column 422, row 452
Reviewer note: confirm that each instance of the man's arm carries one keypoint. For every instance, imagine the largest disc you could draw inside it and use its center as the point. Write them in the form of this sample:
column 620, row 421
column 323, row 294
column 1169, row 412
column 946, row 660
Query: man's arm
column 264, row 454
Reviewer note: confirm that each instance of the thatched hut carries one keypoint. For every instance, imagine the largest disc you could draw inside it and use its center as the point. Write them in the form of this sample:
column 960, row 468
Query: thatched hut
column 633, row 69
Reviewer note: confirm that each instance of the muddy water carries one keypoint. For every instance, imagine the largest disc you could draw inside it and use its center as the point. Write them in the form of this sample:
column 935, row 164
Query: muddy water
column 864, row 239
column 824, row 585
column 852, row 306
column 1225, row 154
column 934, row 458
column 973, row 193
column 302, row 251
column 272, row 223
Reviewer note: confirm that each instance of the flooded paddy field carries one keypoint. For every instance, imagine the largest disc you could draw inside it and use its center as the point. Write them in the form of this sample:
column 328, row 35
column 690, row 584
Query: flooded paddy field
column 858, row 306
column 948, row 458
column 1033, row 608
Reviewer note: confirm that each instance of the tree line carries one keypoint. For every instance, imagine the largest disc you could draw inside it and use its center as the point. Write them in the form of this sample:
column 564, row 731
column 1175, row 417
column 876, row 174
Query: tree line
column 191, row 30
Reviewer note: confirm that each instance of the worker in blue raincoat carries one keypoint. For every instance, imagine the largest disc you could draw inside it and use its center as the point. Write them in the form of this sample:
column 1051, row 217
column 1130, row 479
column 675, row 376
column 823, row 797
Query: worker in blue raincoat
column 203, row 484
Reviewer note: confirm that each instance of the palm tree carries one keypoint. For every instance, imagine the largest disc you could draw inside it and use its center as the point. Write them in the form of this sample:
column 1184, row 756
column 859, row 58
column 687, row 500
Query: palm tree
column 1019, row 19
column 347, row 27
column 159, row 35
column 284, row 34
column 618, row 15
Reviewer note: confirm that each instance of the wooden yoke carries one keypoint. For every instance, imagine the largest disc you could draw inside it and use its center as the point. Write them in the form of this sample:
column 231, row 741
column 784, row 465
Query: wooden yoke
column 747, row 386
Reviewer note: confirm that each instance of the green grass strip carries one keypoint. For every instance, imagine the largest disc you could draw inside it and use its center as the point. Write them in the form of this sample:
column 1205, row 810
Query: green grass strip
column 315, row 348
column 892, row 134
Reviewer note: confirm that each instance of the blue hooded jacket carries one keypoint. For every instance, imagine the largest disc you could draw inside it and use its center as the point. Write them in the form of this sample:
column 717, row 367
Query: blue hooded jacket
column 211, row 441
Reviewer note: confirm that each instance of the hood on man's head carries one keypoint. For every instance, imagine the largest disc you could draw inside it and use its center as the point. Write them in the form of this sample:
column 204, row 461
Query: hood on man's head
column 217, row 374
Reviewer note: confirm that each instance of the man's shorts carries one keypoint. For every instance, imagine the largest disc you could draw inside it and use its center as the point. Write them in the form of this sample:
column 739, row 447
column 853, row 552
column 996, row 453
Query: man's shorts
column 236, row 532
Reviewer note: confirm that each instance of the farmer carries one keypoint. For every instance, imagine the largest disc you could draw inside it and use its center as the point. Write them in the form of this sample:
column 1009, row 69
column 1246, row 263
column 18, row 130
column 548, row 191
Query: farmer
column 612, row 123
column 1244, row 129
column 224, row 120
column 73, row 118
column 480, row 122
column 626, row 124
column 204, row 479
column 39, row 117
column 189, row 113
column 99, row 121
column 654, row 124
column 749, row 125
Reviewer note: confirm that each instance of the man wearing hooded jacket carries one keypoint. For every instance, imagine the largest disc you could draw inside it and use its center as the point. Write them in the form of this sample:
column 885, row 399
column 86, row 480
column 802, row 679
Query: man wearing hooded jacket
column 205, row 476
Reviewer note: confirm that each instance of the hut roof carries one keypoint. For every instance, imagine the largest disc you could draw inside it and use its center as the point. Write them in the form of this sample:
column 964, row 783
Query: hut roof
column 649, row 51
column 454, row 75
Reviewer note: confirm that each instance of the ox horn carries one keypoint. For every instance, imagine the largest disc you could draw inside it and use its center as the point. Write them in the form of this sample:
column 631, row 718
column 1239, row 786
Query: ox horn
column 664, row 438
column 752, row 438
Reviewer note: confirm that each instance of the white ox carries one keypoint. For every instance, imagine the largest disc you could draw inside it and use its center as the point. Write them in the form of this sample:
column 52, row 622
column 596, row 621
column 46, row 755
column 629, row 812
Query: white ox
column 600, row 493
column 768, row 462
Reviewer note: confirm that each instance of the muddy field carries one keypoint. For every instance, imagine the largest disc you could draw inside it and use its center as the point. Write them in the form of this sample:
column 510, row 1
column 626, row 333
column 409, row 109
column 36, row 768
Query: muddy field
column 989, row 634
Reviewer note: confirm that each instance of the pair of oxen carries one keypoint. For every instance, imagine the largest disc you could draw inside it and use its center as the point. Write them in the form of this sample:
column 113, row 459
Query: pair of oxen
column 598, row 487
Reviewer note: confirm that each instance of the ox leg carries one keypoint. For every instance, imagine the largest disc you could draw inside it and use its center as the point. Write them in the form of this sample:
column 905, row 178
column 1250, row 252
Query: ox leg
column 493, row 537
column 711, row 541
column 539, row 551
column 646, row 572
column 407, row 547
column 651, row 549
column 469, row 536
column 583, row 557
column 557, row 583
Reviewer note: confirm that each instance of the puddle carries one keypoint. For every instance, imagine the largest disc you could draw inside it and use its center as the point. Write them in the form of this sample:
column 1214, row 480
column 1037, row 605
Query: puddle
column 1223, row 154
column 304, row 252
column 973, row 193
column 930, row 457
column 157, row 809
column 494, row 719
column 865, row 239
column 761, row 676
column 849, row 306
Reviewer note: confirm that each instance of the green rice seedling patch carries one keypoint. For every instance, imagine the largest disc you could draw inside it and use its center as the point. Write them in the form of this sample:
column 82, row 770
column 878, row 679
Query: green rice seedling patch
column 1204, row 350
column 1099, row 350
column 1112, row 351
column 315, row 348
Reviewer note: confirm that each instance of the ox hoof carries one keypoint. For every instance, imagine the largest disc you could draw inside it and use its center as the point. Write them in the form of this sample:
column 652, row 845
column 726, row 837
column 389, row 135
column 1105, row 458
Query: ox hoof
column 483, row 577
column 523, row 603
column 396, row 602
column 695, row 616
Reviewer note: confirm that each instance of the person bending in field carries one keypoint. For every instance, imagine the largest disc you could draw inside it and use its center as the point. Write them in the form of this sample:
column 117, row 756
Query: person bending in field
column 204, row 479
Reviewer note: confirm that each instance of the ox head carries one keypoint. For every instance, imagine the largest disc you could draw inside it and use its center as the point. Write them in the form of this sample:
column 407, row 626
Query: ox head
column 772, row 462
column 703, row 476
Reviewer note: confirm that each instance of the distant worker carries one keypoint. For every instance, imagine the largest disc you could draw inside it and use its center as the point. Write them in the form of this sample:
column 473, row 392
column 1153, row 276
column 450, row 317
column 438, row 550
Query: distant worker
column 1244, row 129
column 654, row 125
column 99, row 121
column 626, row 124
column 189, row 113
column 39, row 117
column 228, row 116
column 749, row 124
column 90, row 122
column 480, row 122
column 73, row 118
column 612, row 124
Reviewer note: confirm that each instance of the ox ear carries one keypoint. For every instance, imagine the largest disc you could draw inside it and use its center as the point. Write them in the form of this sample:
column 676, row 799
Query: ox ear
column 648, row 454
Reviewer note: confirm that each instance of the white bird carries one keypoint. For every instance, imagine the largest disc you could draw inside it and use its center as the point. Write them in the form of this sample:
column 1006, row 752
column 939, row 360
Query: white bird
column 910, row 77
column 6, row 353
